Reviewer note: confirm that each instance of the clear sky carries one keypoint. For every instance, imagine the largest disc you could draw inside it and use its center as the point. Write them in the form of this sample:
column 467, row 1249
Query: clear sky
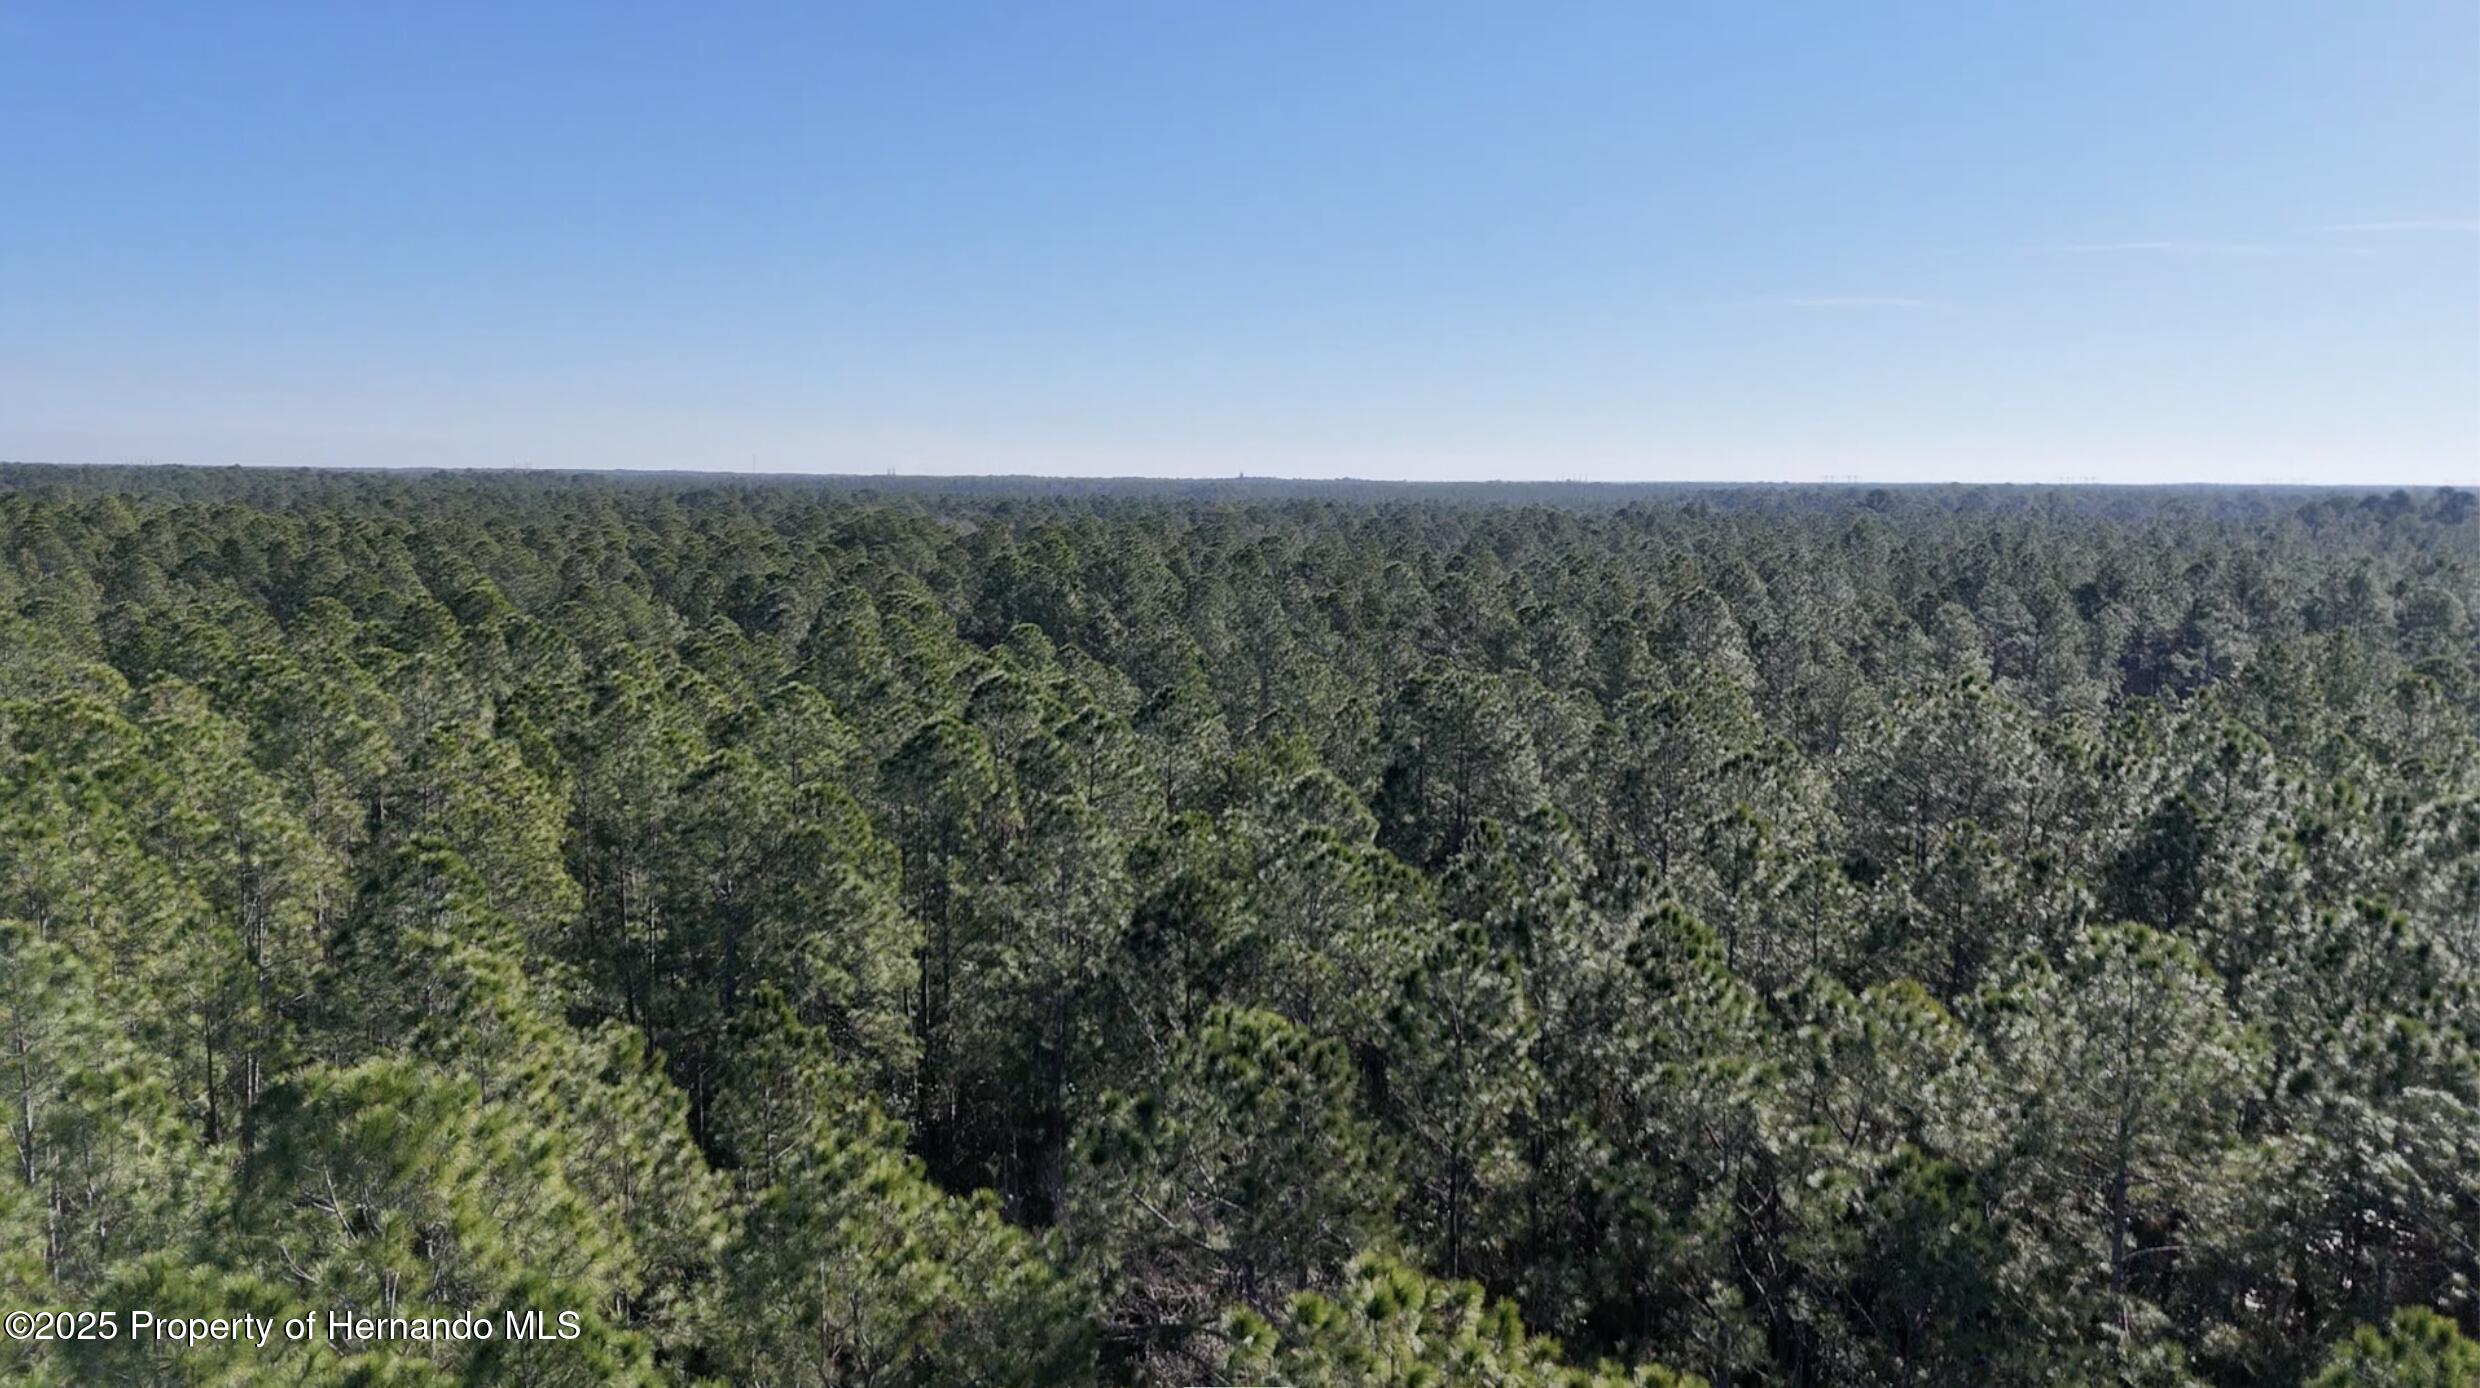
column 2030, row 241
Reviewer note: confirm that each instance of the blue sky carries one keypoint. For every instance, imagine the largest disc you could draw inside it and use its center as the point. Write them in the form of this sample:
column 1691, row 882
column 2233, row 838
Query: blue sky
column 2073, row 238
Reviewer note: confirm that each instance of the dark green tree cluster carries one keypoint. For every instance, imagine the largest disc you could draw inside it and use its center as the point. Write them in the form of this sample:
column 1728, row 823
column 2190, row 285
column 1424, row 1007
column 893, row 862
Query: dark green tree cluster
column 1011, row 933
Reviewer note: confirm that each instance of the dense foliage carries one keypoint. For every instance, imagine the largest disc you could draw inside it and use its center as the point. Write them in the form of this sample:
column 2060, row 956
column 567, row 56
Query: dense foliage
column 831, row 933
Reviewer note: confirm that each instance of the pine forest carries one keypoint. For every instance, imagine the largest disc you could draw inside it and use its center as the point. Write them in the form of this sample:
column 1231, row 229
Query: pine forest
column 1006, row 932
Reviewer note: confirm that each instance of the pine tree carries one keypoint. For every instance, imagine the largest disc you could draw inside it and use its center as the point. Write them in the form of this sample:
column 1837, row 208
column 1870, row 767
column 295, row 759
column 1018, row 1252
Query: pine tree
column 2128, row 1076
column 1244, row 1174
column 1462, row 1083
column 2417, row 1349
column 853, row 1268
column 1387, row 1324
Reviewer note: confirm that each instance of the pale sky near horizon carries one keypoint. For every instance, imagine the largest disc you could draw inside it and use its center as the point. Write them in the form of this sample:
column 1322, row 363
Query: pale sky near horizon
column 2019, row 242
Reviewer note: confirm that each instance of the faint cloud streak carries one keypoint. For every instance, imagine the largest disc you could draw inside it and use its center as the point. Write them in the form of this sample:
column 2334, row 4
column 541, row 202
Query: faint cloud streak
column 1841, row 301
column 2412, row 224
column 2196, row 248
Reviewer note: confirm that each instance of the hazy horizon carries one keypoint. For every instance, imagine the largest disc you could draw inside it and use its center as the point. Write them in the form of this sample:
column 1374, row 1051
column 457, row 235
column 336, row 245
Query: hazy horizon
column 1338, row 479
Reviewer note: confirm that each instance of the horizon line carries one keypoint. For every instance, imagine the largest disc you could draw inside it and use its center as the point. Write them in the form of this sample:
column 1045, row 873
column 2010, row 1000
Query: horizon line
column 1837, row 481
